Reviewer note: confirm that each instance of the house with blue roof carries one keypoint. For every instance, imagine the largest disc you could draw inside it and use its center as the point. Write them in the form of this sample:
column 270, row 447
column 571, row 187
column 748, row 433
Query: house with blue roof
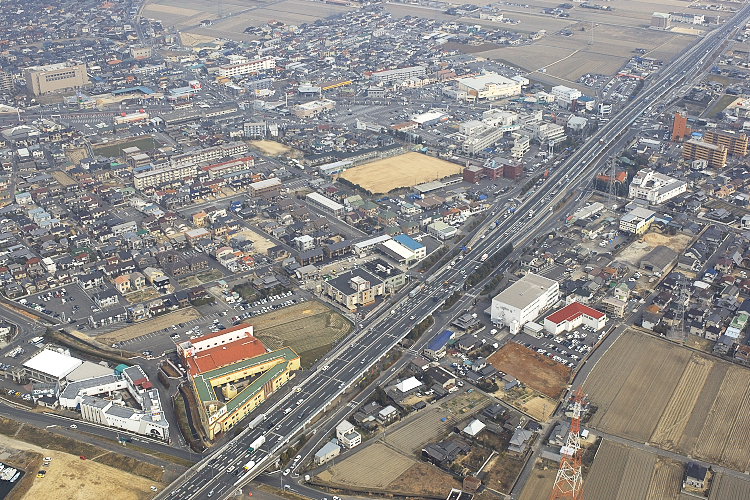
column 436, row 348
column 420, row 251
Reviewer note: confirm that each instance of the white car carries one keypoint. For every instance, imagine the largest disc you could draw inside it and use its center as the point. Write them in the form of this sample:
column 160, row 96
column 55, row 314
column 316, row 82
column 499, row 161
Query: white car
column 286, row 472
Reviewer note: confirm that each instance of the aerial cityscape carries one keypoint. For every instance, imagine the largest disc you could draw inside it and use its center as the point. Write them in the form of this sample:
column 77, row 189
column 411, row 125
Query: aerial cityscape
column 349, row 249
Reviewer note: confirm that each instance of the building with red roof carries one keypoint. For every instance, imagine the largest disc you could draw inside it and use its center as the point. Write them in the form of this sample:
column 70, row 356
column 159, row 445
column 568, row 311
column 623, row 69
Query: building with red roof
column 572, row 316
column 223, row 355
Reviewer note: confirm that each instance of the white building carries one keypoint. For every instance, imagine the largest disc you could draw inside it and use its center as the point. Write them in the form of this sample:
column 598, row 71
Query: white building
column 488, row 86
column 482, row 138
column 98, row 400
column 565, row 95
column 325, row 204
column 521, row 145
column 247, row 67
column 654, row 187
column 637, row 221
column 572, row 316
column 399, row 74
column 227, row 336
column 347, row 435
column 524, row 301
column 50, row 366
column 547, row 133
column 499, row 117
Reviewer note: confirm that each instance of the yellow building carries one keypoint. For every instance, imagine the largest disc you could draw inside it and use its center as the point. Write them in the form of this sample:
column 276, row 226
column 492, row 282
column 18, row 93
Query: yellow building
column 229, row 393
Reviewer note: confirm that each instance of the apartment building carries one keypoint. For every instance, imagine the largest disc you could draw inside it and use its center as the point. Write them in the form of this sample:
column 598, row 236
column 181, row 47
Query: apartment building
column 655, row 187
column 715, row 155
column 210, row 154
column 150, row 175
column 247, row 67
column 736, row 144
column 399, row 74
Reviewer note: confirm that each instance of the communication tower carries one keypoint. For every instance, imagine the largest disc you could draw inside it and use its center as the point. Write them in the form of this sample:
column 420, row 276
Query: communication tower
column 569, row 479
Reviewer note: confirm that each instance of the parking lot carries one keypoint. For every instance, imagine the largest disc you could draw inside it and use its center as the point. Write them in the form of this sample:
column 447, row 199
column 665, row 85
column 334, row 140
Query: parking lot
column 568, row 348
column 69, row 303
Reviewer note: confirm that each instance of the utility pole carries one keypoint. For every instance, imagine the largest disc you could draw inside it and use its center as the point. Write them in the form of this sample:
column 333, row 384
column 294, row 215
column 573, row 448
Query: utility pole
column 569, row 479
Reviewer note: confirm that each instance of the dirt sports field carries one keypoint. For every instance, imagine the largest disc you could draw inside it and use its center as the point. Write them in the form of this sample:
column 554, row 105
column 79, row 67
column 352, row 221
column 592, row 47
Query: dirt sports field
column 404, row 170
column 533, row 369
column 650, row 390
column 309, row 328
column 149, row 326
column 271, row 147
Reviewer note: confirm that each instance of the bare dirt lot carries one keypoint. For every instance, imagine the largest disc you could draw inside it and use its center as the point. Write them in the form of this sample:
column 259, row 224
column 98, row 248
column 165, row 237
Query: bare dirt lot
column 650, row 390
column 309, row 328
column 533, row 369
column 261, row 244
column 382, row 464
column 149, row 326
column 634, row 252
column 404, row 170
column 271, row 147
column 71, row 478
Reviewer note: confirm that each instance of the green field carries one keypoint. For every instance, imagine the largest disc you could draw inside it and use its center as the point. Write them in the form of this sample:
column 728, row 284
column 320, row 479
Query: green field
column 115, row 149
column 310, row 328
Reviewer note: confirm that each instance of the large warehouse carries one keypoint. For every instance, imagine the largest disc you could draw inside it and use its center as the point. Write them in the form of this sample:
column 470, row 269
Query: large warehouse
column 524, row 301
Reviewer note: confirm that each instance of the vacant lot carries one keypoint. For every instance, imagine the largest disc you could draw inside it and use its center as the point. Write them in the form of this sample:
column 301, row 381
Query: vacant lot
column 150, row 326
column 650, row 390
column 114, row 149
column 80, row 479
column 271, row 147
column 404, row 170
column 309, row 328
column 533, row 369
column 261, row 244
column 634, row 252
column 423, row 479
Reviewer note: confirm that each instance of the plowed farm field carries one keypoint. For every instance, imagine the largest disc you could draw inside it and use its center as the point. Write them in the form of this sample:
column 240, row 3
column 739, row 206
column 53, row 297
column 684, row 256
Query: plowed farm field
column 650, row 390
column 621, row 472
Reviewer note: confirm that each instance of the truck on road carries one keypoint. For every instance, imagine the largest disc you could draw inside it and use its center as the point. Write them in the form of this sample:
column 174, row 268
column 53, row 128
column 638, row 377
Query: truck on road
column 256, row 421
column 248, row 466
column 484, row 257
column 256, row 444
column 414, row 292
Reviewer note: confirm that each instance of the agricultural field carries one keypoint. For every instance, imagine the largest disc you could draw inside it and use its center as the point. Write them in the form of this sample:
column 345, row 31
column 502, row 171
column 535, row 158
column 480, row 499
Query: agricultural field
column 310, row 328
column 620, row 472
column 411, row 437
column 237, row 15
column 149, row 326
column 406, row 170
column 650, row 390
column 533, row 369
column 727, row 487
column 539, row 484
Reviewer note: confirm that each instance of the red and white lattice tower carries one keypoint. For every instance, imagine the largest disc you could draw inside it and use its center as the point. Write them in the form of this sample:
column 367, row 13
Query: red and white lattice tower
column 569, row 479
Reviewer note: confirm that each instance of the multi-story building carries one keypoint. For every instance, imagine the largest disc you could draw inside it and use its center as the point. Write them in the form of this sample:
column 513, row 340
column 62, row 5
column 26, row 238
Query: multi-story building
column 715, row 156
column 247, row 67
column 524, row 301
column 326, row 204
column 680, row 127
column 6, row 83
column 660, row 20
column 267, row 188
column 399, row 74
column 313, row 108
column 354, row 288
column 210, row 154
column 654, row 187
column 637, row 221
column 150, row 175
column 521, row 145
column 55, row 77
column 565, row 95
column 221, row 169
column 481, row 138
column 488, row 86
column 736, row 144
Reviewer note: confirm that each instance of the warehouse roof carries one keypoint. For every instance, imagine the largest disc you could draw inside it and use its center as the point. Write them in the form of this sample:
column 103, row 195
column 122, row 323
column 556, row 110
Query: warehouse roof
column 525, row 291
column 53, row 363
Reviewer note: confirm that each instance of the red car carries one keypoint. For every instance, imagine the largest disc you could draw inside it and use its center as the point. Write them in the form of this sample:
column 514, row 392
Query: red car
column 82, row 457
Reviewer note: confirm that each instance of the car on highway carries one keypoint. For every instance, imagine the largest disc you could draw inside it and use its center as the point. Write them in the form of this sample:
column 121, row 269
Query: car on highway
column 73, row 426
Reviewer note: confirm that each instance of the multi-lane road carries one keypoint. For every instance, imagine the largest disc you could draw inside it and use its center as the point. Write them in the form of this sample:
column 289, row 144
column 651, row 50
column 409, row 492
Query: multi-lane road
column 376, row 336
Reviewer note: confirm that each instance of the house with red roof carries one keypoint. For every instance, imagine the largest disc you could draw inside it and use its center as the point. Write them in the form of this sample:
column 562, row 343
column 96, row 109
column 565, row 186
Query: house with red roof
column 572, row 316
